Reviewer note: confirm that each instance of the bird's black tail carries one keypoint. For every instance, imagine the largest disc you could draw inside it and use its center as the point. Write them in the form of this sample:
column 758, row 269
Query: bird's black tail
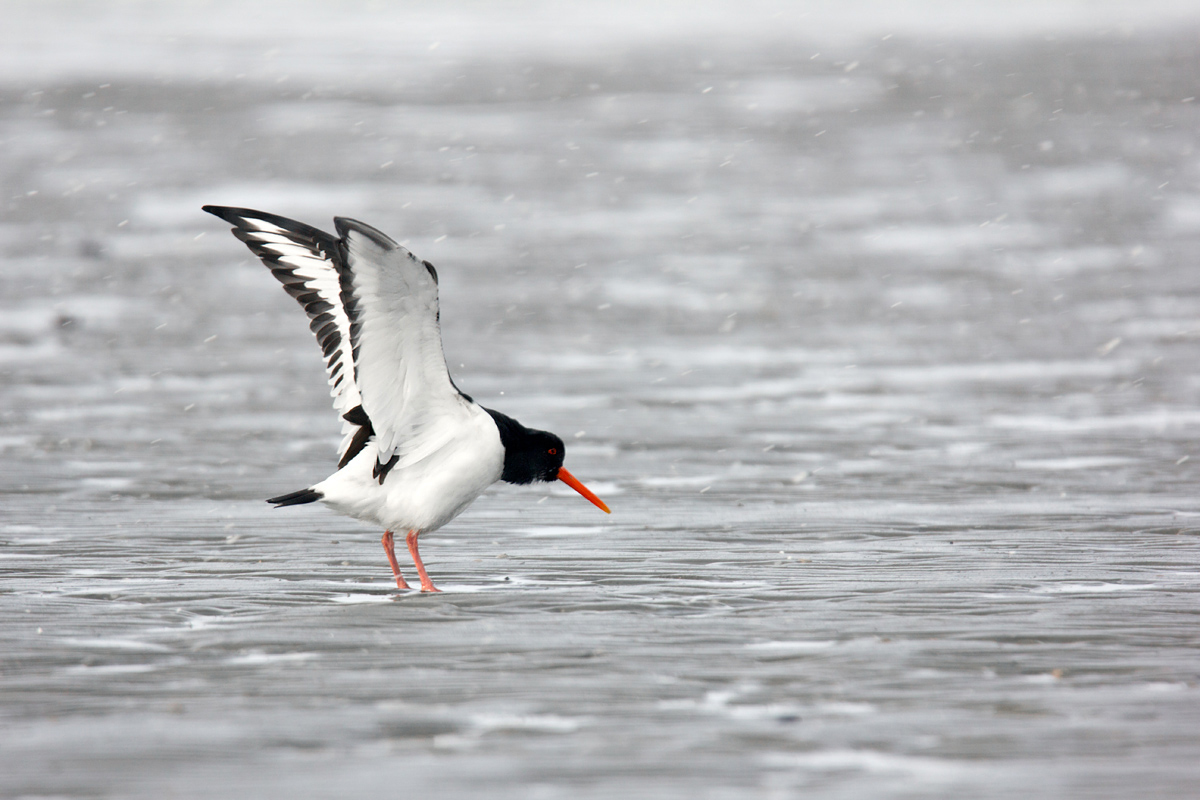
column 296, row 498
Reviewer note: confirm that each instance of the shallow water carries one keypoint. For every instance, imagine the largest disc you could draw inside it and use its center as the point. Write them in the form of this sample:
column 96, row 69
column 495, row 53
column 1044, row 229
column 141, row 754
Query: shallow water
column 884, row 358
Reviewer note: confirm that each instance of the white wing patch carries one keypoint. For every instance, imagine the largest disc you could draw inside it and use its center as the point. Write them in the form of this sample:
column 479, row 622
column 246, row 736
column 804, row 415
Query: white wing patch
column 401, row 371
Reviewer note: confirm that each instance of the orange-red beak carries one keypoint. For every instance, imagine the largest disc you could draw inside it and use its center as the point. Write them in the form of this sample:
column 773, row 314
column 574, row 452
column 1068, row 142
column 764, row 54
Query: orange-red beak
column 570, row 480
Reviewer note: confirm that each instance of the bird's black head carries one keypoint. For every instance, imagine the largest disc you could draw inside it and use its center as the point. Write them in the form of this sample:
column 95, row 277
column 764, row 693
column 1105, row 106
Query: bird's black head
column 529, row 455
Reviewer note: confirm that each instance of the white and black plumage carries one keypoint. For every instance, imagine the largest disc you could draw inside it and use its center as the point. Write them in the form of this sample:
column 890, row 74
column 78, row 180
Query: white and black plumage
column 415, row 450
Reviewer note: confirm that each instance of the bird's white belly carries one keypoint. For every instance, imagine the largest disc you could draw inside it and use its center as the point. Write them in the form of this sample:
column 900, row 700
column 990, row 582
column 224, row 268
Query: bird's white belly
column 423, row 496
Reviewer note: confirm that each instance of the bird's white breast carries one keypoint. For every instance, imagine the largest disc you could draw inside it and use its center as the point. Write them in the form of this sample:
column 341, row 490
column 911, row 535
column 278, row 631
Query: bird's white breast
column 427, row 494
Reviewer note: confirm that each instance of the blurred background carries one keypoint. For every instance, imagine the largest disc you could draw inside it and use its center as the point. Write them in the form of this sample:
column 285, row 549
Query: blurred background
column 876, row 324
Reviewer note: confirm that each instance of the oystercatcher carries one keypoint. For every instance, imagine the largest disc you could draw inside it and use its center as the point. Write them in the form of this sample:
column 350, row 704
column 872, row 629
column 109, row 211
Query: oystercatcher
column 415, row 450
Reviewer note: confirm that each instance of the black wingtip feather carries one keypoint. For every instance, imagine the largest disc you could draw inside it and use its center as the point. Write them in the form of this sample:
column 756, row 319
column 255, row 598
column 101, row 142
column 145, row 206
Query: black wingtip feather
column 296, row 498
column 381, row 471
column 344, row 225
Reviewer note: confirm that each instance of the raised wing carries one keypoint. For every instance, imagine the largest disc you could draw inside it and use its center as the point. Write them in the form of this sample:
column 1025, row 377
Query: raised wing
column 391, row 300
column 309, row 264
column 373, row 307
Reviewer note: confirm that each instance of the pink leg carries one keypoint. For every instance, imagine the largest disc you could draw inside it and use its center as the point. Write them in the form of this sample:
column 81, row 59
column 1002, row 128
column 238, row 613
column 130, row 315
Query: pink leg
column 426, row 584
column 390, row 549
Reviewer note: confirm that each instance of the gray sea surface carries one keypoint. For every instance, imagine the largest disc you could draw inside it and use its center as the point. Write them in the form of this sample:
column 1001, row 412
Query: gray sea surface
column 882, row 346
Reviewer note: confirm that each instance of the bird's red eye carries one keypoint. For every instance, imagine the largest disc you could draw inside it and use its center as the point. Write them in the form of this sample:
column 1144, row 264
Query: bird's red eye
column 553, row 451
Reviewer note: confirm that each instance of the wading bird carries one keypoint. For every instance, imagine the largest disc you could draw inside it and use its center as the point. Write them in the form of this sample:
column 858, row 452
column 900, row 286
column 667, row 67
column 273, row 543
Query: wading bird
column 415, row 450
